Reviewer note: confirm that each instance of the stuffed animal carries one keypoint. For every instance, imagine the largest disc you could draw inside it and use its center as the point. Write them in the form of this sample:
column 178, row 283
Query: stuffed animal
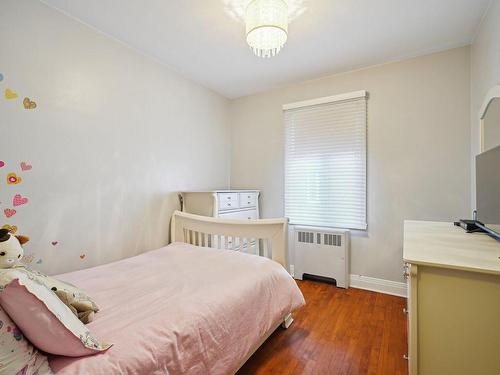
column 11, row 250
column 11, row 253
column 84, row 310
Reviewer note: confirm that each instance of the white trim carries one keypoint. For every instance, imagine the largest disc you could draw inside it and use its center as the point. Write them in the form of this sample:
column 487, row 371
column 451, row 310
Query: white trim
column 492, row 94
column 326, row 99
column 394, row 288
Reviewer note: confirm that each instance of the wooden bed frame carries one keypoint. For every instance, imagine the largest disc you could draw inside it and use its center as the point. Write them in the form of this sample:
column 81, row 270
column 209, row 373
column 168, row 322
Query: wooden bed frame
column 263, row 237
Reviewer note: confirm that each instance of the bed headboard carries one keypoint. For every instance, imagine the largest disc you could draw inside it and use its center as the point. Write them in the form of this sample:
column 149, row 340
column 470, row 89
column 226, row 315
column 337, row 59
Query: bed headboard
column 264, row 237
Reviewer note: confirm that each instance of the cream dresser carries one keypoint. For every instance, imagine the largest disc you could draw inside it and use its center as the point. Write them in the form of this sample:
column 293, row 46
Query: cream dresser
column 227, row 204
column 453, row 300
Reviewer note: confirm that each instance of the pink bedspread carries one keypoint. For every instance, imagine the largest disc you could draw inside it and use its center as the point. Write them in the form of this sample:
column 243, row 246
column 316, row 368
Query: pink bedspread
column 181, row 309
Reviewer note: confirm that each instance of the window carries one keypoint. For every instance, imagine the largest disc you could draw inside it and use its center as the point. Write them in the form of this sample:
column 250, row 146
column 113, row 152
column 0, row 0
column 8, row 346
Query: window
column 325, row 161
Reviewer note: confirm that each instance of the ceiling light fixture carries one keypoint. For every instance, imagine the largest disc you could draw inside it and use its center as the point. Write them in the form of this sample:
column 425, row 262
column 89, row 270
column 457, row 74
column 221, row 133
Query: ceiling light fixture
column 267, row 26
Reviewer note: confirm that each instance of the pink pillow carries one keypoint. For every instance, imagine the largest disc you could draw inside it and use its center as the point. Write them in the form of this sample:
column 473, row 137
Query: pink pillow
column 47, row 322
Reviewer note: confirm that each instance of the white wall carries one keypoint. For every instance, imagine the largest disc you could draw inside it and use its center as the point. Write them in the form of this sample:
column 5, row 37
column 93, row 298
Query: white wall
column 418, row 148
column 485, row 73
column 113, row 136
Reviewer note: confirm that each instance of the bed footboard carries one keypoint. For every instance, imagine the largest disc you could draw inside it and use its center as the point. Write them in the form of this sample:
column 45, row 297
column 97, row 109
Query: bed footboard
column 264, row 237
column 287, row 322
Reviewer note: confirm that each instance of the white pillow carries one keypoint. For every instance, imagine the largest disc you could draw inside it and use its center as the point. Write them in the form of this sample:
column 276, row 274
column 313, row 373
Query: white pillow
column 17, row 355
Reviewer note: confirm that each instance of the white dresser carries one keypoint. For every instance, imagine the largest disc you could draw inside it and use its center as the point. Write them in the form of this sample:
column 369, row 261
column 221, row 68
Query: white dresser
column 227, row 204
column 453, row 300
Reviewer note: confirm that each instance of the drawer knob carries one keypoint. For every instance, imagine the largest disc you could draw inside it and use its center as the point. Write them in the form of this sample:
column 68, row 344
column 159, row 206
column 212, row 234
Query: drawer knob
column 405, row 310
column 228, row 197
column 229, row 204
column 405, row 356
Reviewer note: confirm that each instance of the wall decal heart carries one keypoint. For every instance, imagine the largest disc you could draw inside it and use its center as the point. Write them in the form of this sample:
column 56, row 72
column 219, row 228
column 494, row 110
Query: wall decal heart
column 19, row 200
column 29, row 104
column 25, row 166
column 82, row 256
column 9, row 94
column 13, row 179
column 9, row 212
column 2, row 163
column 54, row 243
column 11, row 228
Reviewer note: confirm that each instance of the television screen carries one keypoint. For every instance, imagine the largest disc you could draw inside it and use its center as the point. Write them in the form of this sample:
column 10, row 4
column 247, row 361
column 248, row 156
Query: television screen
column 488, row 188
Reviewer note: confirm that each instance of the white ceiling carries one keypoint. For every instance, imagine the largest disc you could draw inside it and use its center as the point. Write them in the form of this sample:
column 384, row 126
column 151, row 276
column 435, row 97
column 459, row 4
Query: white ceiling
column 198, row 39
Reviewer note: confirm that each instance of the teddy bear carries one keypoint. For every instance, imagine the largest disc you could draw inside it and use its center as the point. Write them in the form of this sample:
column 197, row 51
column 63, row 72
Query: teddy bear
column 11, row 253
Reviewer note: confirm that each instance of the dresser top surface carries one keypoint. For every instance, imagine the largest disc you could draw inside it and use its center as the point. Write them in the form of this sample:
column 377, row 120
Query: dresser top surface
column 223, row 191
column 444, row 245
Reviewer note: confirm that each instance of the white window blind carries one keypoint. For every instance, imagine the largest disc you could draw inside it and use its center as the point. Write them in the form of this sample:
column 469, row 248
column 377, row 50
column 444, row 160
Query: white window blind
column 325, row 161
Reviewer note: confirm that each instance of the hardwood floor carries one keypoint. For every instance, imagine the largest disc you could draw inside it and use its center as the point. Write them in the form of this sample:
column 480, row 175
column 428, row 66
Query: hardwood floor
column 339, row 331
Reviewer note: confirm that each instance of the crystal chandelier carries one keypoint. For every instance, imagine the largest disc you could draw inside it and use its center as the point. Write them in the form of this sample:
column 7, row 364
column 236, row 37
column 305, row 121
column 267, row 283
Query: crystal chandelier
column 267, row 26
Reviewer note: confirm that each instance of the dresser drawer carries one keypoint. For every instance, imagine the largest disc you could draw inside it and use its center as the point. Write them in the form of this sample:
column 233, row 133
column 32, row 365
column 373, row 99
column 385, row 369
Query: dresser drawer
column 248, row 200
column 240, row 215
column 228, row 201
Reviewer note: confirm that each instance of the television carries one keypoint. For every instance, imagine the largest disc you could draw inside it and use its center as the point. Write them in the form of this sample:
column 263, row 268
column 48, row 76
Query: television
column 488, row 191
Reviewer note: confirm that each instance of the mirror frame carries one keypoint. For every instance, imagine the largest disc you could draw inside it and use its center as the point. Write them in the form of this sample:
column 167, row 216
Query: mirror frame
column 494, row 93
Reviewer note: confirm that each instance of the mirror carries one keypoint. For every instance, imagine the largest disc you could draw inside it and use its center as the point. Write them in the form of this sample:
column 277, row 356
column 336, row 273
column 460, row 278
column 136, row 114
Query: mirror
column 490, row 121
column 488, row 162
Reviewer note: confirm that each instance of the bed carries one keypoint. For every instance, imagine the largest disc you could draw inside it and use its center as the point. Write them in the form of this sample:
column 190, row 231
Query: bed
column 201, row 305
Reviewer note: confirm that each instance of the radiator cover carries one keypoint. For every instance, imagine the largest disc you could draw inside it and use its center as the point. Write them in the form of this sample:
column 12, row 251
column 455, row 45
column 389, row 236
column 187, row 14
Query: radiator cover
column 321, row 252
